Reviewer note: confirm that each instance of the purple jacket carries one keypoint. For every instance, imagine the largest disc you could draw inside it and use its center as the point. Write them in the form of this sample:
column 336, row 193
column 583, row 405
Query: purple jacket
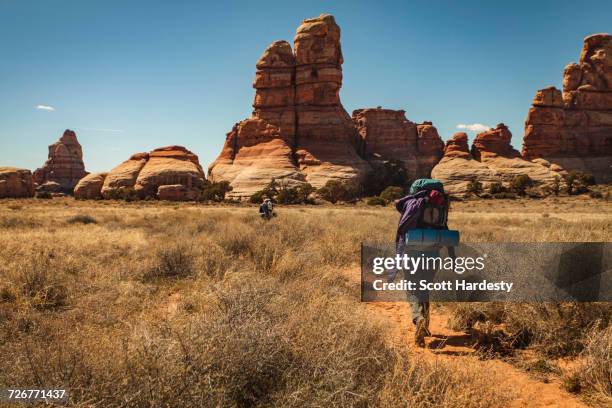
column 410, row 209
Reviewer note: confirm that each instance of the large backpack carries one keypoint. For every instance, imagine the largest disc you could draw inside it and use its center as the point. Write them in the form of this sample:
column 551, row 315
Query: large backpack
column 434, row 216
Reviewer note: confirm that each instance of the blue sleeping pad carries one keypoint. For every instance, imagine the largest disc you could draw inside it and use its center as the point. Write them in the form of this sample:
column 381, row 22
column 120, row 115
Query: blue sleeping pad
column 428, row 237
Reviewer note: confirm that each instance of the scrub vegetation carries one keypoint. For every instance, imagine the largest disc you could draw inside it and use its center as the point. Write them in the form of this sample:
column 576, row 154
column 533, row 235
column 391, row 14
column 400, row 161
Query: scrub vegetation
column 142, row 304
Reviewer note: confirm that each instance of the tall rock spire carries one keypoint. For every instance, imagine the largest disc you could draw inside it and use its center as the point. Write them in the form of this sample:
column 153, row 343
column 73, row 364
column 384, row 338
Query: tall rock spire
column 64, row 164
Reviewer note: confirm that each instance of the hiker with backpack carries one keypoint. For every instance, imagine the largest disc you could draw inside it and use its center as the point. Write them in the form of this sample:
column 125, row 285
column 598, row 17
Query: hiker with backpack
column 426, row 207
column 266, row 209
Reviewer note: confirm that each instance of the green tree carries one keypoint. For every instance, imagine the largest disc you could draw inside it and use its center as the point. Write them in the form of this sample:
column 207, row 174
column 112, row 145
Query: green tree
column 388, row 173
column 392, row 193
column 520, row 183
column 474, row 187
column 215, row 191
column 496, row 188
column 376, row 201
column 335, row 190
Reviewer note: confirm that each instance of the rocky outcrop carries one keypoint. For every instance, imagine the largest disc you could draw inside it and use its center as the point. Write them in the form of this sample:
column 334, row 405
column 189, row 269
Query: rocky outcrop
column 573, row 129
column 142, row 175
column 387, row 134
column 90, row 187
column 16, row 183
column 298, row 131
column 326, row 139
column 458, row 167
column 492, row 159
column 64, row 164
column 494, row 143
column 176, row 192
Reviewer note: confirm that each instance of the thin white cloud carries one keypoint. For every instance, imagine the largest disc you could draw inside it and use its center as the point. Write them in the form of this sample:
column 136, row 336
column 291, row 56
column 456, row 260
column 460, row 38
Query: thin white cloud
column 104, row 130
column 473, row 127
column 45, row 108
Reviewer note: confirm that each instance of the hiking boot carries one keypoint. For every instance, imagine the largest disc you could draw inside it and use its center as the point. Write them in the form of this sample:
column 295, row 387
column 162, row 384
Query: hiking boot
column 420, row 332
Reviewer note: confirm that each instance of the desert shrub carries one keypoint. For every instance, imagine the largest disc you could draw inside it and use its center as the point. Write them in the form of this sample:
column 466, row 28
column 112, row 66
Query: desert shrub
column 299, row 194
column 171, row 261
column 392, row 193
column 553, row 329
column 384, row 174
column 215, row 191
column 335, row 191
column 474, row 187
column 595, row 194
column 81, row 219
column 555, row 188
column 509, row 196
column 496, row 188
column 257, row 197
column 270, row 191
column 376, row 201
column 596, row 370
column 38, row 282
column 43, row 195
column 485, row 195
column 577, row 182
column 520, row 183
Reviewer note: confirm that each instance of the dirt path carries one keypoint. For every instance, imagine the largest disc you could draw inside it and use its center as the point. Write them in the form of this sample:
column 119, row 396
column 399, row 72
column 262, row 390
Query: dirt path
column 448, row 344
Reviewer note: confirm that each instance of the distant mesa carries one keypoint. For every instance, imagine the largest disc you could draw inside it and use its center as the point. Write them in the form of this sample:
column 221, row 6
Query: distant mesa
column 16, row 183
column 168, row 173
column 64, row 165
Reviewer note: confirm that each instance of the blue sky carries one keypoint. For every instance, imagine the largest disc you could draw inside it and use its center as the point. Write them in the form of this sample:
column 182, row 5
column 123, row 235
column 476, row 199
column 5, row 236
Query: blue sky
column 130, row 76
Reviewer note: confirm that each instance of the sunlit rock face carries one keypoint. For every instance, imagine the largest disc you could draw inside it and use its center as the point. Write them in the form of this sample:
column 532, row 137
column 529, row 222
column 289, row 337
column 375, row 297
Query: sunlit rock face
column 573, row 129
column 64, row 164
column 298, row 131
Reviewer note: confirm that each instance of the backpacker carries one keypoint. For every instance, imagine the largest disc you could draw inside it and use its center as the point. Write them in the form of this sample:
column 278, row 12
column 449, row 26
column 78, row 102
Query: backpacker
column 435, row 210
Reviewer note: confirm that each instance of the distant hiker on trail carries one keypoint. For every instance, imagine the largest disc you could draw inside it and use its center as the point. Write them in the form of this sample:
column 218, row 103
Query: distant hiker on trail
column 426, row 207
column 266, row 209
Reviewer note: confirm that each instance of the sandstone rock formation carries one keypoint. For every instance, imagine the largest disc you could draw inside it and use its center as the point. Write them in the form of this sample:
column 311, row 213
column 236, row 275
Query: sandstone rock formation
column 491, row 159
column 142, row 175
column 326, row 139
column 298, row 130
column 16, row 183
column 90, row 187
column 458, row 167
column 387, row 134
column 64, row 164
column 573, row 129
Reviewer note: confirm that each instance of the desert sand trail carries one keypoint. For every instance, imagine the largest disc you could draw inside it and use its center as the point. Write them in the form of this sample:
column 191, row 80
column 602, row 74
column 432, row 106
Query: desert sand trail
column 447, row 344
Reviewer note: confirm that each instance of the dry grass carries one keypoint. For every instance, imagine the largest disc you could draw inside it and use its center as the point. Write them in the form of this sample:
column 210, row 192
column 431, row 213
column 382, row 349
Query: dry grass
column 157, row 304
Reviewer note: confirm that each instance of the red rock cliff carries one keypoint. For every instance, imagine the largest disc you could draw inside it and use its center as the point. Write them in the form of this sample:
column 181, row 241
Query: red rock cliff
column 573, row 128
column 299, row 130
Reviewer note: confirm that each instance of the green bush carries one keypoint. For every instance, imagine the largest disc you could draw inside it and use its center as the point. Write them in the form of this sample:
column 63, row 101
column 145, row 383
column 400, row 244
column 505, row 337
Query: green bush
column 335, row 190
column 392, row 193
column 299, row 194
column 496, row 188
column 388, row 173
column 376, row 201
column 215, row 191
column 577, row 182
column 474, row 187
column 520, row 183
column 269, row 191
